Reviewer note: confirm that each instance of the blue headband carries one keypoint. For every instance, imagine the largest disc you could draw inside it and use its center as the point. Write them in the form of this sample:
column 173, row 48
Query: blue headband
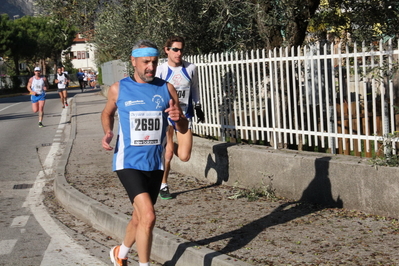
column 143, row 52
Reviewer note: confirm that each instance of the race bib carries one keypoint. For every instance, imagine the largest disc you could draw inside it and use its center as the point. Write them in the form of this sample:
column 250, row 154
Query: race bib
column 183, row 94
column 38, row 89
column 145, row 128
column 62, row 83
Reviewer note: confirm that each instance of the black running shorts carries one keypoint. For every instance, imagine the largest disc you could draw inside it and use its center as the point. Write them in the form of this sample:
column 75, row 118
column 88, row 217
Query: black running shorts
column 136, row 182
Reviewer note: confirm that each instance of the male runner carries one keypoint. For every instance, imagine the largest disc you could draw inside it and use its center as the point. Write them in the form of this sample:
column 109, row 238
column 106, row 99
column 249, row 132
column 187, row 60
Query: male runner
column 37, row 86
column 183, row 76
column 144, row 104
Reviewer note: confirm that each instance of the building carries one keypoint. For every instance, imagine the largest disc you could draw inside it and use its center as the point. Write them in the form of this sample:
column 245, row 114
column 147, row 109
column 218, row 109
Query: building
column 82, row 53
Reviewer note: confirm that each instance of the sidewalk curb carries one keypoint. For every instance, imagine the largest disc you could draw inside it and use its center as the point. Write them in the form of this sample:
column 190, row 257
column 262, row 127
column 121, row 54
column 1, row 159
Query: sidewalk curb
column 166, row 247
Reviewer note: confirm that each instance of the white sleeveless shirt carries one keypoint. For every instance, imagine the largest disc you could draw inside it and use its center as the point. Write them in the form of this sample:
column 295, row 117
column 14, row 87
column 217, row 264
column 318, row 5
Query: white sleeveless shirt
column 38, row 85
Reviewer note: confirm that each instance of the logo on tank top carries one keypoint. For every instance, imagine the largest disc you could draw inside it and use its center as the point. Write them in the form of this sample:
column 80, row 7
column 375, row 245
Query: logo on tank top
column 130, row 103
column 177, row 80
column 159, row 101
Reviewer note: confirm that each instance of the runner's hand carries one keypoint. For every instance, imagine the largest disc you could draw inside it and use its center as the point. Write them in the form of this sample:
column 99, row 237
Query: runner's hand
column 174, row 111
column 107, row 140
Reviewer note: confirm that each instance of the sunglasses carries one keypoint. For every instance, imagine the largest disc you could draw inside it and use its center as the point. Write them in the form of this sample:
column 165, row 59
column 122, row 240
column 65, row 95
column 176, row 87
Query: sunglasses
column 174, row 49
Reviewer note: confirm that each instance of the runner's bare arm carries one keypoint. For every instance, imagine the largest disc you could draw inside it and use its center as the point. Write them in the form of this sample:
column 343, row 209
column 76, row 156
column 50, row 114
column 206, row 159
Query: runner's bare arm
column 29, row 86
column 108, row 116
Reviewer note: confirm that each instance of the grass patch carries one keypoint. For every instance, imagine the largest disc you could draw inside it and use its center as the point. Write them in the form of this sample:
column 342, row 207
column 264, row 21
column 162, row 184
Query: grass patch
column 264, row 191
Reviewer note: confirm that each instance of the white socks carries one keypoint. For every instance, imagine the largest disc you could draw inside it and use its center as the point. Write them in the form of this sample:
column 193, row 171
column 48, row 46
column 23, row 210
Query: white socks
column 163, row 185
column 123, row 251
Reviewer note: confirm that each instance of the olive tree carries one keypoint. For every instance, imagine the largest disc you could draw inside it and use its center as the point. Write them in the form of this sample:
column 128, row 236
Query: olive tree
column 366, row 20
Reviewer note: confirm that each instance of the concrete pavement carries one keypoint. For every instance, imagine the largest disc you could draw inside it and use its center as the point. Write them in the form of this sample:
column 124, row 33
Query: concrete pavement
column 85, row 129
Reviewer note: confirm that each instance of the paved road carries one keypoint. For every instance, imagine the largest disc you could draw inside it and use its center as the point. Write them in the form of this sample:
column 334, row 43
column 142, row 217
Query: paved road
column 28, row 234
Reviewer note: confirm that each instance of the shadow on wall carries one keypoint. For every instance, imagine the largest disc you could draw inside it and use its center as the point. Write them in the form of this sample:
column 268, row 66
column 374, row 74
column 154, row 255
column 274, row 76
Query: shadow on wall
column 221, row 162
column 318, row 192
column 319, row 189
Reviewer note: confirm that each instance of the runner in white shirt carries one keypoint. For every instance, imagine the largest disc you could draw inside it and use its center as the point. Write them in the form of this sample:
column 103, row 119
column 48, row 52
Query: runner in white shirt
column 183, row 76
column 62, row 80
column 37, row 87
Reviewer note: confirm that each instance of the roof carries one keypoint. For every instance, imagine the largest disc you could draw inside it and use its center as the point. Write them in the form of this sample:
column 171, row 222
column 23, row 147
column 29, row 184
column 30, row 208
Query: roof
column 77, row 39
column 80, row 39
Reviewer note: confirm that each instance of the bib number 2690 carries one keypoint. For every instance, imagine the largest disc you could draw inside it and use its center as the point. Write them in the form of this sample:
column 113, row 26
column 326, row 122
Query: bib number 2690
column 150, row 124
column 145, row 128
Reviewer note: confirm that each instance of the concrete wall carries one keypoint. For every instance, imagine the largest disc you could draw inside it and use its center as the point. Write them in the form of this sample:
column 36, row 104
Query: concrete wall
column 114, row 71
column 332, row 180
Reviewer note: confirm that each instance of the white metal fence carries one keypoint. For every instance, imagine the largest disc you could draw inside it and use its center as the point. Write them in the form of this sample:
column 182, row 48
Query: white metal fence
column 333, row 97
column 326, row 97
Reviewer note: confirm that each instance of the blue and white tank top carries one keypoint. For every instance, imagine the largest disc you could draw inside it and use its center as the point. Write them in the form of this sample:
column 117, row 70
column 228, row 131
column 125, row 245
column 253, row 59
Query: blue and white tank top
column 181, row 78
column 142, row 125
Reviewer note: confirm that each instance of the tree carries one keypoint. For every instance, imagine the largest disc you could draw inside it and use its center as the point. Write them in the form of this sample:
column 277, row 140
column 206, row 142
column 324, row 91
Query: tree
column 78, row 14
column 20, row 40
column 34, row 39
column 208, row 25
column 283, row 22
column 4, row 31
column 54, row 38
column 219, row 25
column 366, row 21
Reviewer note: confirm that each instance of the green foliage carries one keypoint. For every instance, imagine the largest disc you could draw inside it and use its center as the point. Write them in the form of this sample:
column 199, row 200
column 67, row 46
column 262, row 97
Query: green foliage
column 211, row 26
column 100, row 76
column 55, row 37
column 208, row 25
column 388, row 158
column 67, row 64
column 363, row 20
column 263, row 191
column 19, row 40
column 76, row 14
column 4, row 32
column 34, row 39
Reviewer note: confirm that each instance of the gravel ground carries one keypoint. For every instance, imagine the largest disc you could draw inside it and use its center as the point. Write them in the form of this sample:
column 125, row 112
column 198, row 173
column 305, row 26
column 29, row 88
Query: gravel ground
column 260, row 232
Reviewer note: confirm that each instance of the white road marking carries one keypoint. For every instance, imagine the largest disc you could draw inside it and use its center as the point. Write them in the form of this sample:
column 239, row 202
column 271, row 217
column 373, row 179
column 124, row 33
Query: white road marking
column 6, row 246
column 20, row 221
column 62, row 250
column 9, row 106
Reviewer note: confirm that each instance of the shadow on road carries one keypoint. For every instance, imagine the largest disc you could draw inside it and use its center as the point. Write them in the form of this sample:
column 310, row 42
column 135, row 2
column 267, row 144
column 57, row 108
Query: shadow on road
column 315, row 197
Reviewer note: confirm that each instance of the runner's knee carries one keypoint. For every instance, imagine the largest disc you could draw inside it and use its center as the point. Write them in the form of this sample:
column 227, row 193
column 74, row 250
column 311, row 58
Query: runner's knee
column 184, row 157
column 148, row 220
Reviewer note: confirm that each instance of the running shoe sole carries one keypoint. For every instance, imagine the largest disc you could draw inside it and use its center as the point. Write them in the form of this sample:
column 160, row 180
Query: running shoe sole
column 112, row 256
column 113, row 259
column 165, row 194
